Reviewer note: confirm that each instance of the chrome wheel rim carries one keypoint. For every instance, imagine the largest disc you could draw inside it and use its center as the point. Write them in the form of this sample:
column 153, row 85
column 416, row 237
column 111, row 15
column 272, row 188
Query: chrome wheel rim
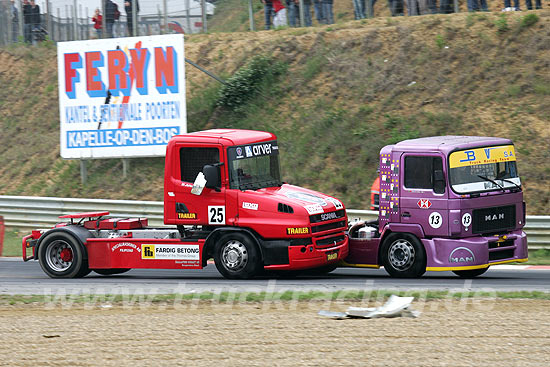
column 234, row 255
column 59, row 255
column 401, row 254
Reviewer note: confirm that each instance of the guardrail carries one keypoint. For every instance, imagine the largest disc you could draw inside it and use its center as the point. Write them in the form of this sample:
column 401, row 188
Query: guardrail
column 29, row 212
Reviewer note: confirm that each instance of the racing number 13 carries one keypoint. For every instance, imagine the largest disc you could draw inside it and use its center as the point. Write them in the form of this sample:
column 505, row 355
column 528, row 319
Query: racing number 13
column 216, row 215
column 435, row 220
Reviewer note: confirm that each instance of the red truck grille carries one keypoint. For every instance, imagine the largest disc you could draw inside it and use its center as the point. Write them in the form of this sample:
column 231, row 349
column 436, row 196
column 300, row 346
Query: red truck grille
column 330, row 241
column 328, row 226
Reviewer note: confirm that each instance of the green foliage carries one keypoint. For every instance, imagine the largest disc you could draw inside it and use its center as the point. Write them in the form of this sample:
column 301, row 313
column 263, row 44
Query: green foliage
column 542, row 88
column 502, row 24
column 513, row 90
column 440, row 41
column 529, row 20
column 246, row 82
column 313, row 66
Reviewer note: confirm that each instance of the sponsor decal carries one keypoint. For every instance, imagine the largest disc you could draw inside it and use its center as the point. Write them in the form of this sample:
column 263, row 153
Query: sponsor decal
column 297, row 230
column 435, row 220
column 314, row 209
column 424, row 203
column 499, row 216
column 187, row 215
column 307, row 197
column 125, row 247
column 251, row 206
column 170, row 252
column 329, row 216
column 462, row 255
column 337, row 203
column 186, row 184
column 248, row 151
column 332, row 256
column 471, row 157
column 239, row 152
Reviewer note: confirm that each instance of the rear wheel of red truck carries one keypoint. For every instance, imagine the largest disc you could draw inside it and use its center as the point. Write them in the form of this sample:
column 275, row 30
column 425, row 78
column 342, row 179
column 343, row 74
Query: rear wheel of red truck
column 62, row 256
column 237, row 257
column 403, row 256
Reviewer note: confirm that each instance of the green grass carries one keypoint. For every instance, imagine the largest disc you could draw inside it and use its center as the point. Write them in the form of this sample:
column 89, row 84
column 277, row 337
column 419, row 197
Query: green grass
column 253, row 297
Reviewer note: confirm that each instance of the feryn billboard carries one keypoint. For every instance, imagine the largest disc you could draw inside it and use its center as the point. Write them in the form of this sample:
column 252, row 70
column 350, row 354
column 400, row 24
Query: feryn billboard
column 121, row 97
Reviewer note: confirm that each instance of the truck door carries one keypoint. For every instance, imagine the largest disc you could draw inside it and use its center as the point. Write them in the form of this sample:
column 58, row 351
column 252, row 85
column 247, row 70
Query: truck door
column 423, row 193
column 209, row 207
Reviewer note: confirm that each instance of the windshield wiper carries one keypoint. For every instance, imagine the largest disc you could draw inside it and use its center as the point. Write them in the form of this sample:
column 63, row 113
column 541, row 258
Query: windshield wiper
column 510, row 181
column 492, row 181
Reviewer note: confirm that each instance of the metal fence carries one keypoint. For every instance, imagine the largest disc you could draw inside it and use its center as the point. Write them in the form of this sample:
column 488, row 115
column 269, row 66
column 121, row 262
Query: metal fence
column 69, row 20
column 28, row 212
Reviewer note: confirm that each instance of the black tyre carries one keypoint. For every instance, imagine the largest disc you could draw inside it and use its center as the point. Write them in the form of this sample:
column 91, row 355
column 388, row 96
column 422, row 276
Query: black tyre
column 403, row 256
column 110, row 271
column 237, row 257
column 62, row 256
column 470, row 273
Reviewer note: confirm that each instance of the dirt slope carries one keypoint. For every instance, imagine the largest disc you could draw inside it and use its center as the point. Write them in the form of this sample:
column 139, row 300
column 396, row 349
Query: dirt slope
column 349, row 89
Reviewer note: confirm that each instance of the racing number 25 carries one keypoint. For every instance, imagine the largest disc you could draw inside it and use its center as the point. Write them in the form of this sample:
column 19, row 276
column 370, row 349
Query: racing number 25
column 216, row 215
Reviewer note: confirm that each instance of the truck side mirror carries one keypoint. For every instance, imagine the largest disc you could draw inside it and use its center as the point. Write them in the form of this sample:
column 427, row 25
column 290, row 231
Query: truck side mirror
column 212, row 176
column 439, row 181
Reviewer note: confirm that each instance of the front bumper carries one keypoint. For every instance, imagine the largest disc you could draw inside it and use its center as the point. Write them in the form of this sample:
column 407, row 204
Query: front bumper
column 475, row 252
column 309, row 256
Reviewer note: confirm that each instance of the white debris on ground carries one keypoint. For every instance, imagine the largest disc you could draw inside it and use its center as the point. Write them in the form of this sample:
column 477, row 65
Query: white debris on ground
column 395, row 307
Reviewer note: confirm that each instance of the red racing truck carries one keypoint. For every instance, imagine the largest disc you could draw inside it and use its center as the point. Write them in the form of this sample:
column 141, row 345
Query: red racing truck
column 447, row 203
column 224, row 198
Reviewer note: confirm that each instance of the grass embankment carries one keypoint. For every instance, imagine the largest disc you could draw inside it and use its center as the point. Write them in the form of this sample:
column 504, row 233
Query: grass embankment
column 295, row 296
column 333, row 95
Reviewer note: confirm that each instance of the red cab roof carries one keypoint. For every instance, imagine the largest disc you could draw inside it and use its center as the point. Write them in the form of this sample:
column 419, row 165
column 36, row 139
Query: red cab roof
column 227, row 136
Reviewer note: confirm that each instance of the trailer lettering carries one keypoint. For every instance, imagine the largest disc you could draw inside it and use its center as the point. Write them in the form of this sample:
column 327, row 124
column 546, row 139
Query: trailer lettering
column 187, row 215
column 299, row 230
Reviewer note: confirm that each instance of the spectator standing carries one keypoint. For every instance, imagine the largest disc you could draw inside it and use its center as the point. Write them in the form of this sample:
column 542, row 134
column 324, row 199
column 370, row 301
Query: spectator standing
column 529, row 5
column 446, row 7
column 427, row 7
column 268, row 12
column 27, row 21
column 292, row 12
column 358, row 9
column 396, row 7
column 412, row 7
column 14, row 14
column 98, row 23
column 327, row 11
column 279, row 20
column 111, row 10
column 318, row 9
column 35, row 17
column 307, row 12
column 128, row 7
column 507, row 4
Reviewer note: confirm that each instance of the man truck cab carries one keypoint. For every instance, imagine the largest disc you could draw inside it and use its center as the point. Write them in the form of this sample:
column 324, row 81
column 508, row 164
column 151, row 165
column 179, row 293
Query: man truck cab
column 446, row 203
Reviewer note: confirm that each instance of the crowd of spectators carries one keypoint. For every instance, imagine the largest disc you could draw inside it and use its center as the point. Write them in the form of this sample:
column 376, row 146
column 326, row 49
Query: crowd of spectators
column 287, row 12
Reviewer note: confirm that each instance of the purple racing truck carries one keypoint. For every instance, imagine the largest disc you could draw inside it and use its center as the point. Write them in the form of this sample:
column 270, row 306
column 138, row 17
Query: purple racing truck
column 447, row 203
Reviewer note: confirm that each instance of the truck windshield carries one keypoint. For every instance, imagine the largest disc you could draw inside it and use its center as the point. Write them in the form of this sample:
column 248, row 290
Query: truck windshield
column 254, row 166
column 484, row 169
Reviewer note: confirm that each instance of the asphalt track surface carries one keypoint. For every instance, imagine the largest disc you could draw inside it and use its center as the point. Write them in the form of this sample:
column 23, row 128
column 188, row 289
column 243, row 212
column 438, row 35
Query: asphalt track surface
column 18, row 277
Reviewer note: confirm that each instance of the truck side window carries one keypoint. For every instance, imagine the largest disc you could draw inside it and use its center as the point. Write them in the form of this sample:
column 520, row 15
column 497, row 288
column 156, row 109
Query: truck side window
column 192, row 160
column 419, row 173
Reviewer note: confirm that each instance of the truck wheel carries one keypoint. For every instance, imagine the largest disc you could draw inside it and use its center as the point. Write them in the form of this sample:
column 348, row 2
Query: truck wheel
column 62, row 256
column 403, row 256
column 470, row 273
column 236, row 256
column 110, row 271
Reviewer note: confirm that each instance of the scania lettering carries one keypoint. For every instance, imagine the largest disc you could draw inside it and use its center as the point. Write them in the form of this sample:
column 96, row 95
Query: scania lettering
column 224, row 199
column 445, row 203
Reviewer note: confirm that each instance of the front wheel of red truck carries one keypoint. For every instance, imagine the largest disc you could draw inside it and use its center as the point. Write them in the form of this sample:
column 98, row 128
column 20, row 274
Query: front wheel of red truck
column 62, row 256
column 403, row 256
column 237, row 257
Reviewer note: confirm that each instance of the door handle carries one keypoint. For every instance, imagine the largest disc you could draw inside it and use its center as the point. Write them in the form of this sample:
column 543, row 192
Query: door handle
column 406, row 215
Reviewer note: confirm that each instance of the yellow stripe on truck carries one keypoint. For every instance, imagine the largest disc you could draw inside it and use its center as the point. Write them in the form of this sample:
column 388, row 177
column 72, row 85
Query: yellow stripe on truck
column 472, row 157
